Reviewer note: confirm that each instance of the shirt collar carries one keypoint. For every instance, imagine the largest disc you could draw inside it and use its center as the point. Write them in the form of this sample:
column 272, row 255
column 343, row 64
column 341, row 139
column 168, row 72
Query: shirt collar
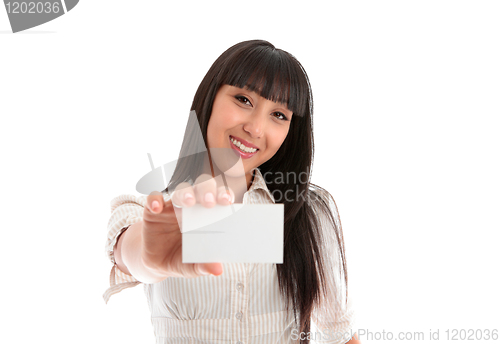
column 260, row 183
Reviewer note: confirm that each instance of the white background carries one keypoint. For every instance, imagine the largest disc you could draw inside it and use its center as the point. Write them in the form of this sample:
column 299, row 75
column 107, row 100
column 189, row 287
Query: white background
column 406, row 127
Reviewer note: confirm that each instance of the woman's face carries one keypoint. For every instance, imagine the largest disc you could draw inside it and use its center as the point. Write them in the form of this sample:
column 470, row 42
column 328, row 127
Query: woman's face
column 239, row 115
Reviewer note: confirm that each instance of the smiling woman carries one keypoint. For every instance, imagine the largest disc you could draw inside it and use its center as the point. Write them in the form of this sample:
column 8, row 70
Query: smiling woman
column 239, row 113
column 255, row 102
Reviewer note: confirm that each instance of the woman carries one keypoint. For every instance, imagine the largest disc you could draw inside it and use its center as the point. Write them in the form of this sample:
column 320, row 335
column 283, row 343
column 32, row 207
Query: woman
column 255, row 100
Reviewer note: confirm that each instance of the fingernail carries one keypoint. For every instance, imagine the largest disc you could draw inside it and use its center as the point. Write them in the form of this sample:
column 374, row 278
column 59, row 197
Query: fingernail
column 188, row 196
column 155, row 205
column 209, row 198
column 226, row 197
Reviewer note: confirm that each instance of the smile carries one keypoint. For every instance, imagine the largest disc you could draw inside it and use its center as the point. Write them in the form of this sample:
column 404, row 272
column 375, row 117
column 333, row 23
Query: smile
column 245, row 152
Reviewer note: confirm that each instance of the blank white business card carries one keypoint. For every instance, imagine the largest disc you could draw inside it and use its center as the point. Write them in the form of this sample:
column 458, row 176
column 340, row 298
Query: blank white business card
column 240, row 233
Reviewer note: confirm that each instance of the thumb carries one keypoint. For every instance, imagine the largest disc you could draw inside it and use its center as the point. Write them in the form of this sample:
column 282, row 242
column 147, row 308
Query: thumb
column 155, row 207
column 155, row 202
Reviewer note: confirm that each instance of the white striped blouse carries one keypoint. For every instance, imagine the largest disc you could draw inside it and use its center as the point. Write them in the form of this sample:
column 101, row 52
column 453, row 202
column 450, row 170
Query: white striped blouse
column 244, row 304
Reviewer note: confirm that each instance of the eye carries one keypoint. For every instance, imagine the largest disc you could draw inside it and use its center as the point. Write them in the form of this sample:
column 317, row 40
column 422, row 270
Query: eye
column 280, row 116
column 243, row 100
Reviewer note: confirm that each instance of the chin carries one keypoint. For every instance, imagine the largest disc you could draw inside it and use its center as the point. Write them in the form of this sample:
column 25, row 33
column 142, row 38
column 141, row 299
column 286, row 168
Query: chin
column 237, row 170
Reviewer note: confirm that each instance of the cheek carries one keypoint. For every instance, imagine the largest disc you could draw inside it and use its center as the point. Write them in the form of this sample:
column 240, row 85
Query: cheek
column 221, row 119
column 276, row 139
column 214, row 133
column 218, row 126
column 210, row 132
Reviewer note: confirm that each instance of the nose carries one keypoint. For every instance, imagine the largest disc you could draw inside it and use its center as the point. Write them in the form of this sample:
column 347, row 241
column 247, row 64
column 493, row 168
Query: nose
column 254, row 125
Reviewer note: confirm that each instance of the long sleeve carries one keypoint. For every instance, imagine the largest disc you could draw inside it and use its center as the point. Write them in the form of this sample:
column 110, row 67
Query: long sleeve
column 334, row 318
column 125, row 211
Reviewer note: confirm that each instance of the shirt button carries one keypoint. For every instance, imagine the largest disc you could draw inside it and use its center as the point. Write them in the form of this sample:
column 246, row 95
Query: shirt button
column 238, row 315
column 239, row 286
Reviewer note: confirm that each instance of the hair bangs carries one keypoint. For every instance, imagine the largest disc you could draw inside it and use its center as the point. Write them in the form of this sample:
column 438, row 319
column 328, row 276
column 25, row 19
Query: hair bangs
column 273, row 74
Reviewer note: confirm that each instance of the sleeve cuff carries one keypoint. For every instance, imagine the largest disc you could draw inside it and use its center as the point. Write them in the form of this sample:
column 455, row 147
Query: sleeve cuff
column 118, row 280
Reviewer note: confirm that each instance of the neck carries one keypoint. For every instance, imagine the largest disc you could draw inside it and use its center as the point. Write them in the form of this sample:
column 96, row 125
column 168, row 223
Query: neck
column 239, row 185
column 239, row 188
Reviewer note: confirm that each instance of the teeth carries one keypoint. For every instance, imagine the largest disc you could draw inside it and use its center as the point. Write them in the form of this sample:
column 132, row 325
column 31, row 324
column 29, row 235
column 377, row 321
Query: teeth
column 242, row 147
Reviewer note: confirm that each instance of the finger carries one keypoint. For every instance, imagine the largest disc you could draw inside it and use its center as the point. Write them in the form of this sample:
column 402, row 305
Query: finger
column 155, row 202
column 224, row 196
column 205, row 188
column 183, row 196
column 178, row 216
column 203, row 269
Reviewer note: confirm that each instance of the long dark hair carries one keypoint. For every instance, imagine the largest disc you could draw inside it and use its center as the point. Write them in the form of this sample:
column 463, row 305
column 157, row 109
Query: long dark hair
column 276, row 75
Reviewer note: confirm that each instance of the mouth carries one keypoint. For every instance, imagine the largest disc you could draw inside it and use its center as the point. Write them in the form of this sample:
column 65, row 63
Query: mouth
column 244, row 151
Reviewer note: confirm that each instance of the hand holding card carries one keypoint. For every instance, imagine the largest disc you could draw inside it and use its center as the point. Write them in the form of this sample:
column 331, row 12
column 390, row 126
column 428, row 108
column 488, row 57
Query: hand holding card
column 161, row 230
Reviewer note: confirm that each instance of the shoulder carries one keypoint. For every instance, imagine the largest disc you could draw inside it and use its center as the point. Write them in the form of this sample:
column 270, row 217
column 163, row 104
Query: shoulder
column 319, row 197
